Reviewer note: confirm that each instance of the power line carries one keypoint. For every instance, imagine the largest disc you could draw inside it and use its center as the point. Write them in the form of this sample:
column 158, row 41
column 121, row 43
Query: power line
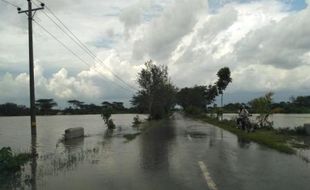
column 74, row 38
column 67, row 48
column 10, row 3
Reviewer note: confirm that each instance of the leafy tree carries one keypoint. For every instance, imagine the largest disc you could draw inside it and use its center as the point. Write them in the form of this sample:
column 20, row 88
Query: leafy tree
column 262, row 105
column 196, row 98
column 156, row 95
column 118, row 106
column 45, row 105
column 192, row 97
column 211, row 94
column 76, row 104
column 223, row 80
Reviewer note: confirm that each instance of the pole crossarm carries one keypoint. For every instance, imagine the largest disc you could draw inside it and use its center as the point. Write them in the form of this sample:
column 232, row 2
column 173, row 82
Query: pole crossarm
column 32, row 10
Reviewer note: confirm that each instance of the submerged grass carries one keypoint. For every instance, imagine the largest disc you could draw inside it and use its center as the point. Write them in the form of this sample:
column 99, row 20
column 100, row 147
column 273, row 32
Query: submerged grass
column 9, row 162
column 271, row 138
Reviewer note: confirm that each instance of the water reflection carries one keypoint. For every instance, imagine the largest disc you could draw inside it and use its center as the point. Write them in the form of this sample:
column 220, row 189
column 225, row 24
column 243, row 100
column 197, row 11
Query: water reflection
column 155, row 145
column 33, row 164
column 243, row 143
column 73, row 144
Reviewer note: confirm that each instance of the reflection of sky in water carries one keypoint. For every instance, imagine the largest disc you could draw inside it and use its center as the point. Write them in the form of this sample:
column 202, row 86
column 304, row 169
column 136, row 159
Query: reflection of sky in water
column 162, row 157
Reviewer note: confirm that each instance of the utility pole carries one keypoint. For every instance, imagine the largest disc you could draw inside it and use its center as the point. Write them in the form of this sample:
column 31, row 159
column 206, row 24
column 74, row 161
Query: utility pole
column 30, row 13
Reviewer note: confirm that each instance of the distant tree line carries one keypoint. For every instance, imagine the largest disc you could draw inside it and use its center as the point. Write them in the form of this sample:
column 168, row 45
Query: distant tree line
column 299, row 104
column 48, row 107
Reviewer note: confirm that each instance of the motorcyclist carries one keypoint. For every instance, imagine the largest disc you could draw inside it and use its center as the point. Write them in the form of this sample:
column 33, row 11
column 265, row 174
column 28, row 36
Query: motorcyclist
column 243, row 114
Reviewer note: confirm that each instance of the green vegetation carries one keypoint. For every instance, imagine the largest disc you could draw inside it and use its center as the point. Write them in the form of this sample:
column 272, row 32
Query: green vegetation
column 272, row 138
column 44, row 106
column 106, row 116
column 223, row 80
column 136, row 121
column 300, row 104
column 10, row 163
column 157, row 94
column 11, row 109
column 196, row 99
column 262, row 106
column 283, row 140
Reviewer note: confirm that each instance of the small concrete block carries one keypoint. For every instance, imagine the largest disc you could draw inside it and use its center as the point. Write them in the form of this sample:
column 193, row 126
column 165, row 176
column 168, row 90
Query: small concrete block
column 307, row 127
column 74, row 133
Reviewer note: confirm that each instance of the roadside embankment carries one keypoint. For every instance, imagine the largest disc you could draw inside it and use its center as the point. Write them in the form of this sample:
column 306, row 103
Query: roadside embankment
column 272, row 138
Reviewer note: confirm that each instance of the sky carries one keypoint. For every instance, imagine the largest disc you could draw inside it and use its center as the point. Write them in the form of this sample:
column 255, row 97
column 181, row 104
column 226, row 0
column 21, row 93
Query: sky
column 265, row 43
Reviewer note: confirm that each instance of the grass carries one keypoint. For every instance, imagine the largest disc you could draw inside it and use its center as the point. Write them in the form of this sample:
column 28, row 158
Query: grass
column 271, row 138
column 9, row 162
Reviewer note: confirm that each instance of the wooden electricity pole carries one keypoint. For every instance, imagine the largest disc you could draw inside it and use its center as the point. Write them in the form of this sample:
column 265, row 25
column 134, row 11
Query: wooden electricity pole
column 30, row 13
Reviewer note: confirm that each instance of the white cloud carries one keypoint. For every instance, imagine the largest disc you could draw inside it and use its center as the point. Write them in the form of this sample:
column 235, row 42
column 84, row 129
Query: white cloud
column 265, row 45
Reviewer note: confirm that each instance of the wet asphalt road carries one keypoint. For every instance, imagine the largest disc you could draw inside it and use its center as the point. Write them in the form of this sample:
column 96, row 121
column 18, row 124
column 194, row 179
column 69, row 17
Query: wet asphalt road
column 179, row 153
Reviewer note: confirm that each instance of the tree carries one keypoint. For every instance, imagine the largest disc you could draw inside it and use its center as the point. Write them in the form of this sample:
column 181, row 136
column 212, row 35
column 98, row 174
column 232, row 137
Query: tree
column 106, row 104
column 156, row 95
column 211, row 94
column 223, row 80
column 192, row 97
column 262, row 106
column 76, row 104
column 45, row 105
column 197, row 98
column 11, row 109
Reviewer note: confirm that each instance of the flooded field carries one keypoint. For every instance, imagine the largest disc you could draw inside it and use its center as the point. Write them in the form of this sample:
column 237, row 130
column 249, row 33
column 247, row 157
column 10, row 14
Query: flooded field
column 166, row 155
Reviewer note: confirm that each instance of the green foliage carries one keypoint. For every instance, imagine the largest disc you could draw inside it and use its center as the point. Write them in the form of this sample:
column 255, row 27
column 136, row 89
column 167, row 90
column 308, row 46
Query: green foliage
column 11, row 109
column 192, row 97
column 76, row 104
column 157, row 94
column 45, row 105
column 262, row 106
column 106, row 116
column 269, row 138
column 10, row 162
column 223, row 79
column 197, row 97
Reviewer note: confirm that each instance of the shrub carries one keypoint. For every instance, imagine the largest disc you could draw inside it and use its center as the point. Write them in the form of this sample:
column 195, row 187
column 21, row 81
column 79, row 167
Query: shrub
column 106, row 116
column 136, row 121
column 10, row 162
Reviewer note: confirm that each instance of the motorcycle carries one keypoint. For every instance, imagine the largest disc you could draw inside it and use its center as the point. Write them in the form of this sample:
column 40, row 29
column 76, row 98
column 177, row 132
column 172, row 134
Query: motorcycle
column 244, row 123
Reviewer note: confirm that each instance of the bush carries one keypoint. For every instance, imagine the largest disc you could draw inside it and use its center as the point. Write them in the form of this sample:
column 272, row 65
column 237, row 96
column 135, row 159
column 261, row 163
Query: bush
column 10, row 162
column 106, row 115
column 136, row 121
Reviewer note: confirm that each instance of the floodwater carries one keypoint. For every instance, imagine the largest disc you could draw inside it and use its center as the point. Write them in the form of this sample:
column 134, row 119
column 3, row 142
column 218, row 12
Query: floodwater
column 166, row 155
column 280, row 120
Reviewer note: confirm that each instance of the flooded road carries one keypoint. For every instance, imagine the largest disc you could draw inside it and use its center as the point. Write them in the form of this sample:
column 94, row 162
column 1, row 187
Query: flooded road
column 178, row 153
